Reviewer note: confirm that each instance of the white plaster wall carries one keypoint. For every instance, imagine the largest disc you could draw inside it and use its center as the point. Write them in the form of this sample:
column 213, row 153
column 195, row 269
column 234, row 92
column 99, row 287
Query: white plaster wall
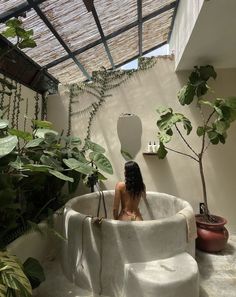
column 26, row 93
column 176, row 175
column 187, row 14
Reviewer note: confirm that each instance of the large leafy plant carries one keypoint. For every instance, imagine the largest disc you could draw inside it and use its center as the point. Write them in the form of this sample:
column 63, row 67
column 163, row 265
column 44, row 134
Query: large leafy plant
column 33, row 169
column 217, row 116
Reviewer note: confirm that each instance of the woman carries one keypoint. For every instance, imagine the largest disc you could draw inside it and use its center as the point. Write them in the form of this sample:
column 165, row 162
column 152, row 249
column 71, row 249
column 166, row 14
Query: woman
column 129, row 193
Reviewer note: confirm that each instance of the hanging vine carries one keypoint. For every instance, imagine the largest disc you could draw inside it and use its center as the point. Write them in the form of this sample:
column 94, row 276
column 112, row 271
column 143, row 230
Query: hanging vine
column 102, row 82
column 19, row 99
column 36, row 106
column 15, row 97
column 3, row 89
column 44, row 105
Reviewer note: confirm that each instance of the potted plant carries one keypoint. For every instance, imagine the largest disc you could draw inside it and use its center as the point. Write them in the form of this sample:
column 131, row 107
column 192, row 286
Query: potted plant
column 217, row 116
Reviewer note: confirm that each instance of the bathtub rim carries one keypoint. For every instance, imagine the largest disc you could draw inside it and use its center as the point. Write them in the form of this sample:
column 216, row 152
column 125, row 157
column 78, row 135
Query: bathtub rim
column 177, row 217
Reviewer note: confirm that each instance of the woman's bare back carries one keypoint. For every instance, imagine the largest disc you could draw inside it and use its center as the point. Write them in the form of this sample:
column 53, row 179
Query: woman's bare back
column 129, row 205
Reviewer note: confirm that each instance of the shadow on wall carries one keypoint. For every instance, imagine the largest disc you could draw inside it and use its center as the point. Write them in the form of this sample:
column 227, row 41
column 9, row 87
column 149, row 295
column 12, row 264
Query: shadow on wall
column 129, row 130
column 161, row 175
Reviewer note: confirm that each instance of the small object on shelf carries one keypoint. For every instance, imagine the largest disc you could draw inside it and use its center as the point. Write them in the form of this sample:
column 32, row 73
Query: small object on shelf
column 149, row 147
column 154, row 147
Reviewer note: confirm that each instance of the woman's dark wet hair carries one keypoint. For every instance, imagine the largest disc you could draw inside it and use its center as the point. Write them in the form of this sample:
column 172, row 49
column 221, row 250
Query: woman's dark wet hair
column 133, row 179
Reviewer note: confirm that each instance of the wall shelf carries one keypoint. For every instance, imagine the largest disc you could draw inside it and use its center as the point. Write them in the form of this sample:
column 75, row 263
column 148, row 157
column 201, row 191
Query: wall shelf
column 149, row 154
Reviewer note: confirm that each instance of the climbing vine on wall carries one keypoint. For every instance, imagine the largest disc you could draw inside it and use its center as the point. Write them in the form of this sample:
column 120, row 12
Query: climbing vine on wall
column 103, row 81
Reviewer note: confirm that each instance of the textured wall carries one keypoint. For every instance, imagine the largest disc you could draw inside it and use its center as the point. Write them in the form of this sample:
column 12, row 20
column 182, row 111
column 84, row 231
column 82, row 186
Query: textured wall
column 175, row 175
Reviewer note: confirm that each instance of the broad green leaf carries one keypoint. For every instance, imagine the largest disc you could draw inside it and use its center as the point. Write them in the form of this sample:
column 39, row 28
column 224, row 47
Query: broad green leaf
column 7, row 145
column 161, row 152
column 206, row 72
column 19, row 163
column 34, row 272
column 9, row 33
column 42, row 124
column 13, row 23
column 200, row 131
column 61, row 176
column 13, row 277
column 221, row 127
column 3, row 124
column 40, row 133
column 213, row 137
column 102, row 163
column 73, row 140
column 94, row 147
column 186, row 94
column 163, row 110
column 37, row 167
column 49, row 161
column 78, row 166
column 34, row 142
column 21, row 134
column 126, row 155
column 27, row 43
column 101, row 176
column 164, row 137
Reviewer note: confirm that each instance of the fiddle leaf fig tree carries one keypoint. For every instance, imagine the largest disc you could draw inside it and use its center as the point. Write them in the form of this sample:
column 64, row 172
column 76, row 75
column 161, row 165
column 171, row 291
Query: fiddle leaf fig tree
column 217, row 116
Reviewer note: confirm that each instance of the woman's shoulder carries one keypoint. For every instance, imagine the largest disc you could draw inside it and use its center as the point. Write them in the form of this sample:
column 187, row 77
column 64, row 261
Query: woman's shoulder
column 120, row 185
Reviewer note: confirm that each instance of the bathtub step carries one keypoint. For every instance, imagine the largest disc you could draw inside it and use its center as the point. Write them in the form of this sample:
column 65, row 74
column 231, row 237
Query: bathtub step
column 172, row 277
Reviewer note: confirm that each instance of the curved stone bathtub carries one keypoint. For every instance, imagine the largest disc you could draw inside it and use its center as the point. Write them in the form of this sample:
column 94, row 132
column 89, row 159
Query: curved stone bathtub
column 96, row 253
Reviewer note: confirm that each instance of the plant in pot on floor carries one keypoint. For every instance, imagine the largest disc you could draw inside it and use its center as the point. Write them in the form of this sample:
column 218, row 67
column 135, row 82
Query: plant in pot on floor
column 217, row 116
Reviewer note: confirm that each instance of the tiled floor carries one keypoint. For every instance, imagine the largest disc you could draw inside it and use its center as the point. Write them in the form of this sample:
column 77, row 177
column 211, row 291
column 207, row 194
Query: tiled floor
column 217, row 276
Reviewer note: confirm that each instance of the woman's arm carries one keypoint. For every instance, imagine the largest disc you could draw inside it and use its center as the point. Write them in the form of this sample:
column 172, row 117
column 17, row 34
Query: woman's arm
column 116, row 203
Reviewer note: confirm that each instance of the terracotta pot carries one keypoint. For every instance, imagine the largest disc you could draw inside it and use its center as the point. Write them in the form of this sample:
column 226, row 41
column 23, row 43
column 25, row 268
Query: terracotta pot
column 212, row 237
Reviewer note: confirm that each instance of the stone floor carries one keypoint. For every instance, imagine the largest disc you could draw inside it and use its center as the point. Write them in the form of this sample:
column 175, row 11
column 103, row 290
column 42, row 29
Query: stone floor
column 217, row 276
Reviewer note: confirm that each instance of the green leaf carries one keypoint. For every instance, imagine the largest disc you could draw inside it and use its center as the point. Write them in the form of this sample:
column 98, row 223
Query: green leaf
column 186, row 94
column 94, row 147
column 34, row 272
column 61, row 176
column 7, row 145
column 78, row 166
column 164, row 137
column 213, row 137
column 12, row 276
column 27, row 43
column 34, row 142
column 206, row 72
column 161, row 152
column 101, row 176
column 19, row 163
column 3, row 124
column 42, row 124
column 102, row 163
column 21, row 134
column 40, row 133
column 49, row 161
column 37, row 167
column 13, row 23
column 9, row 33
column 126, row 155
column 163, row 110
column 221, row 127
column 200, row 131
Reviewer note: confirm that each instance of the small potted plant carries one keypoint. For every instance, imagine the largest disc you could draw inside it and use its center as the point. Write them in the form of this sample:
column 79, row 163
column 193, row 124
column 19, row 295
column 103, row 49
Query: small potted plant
column 217, row 116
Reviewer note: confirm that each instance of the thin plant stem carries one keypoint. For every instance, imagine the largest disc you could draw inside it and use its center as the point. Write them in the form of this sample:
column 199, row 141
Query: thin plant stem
column 185, row 141
column 178, row 152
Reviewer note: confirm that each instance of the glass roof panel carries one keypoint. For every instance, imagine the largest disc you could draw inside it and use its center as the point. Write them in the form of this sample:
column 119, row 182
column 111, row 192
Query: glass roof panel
column 150, row 6
column 156, row 30
column 67, row 72
column 6, row 5
column 114, row 15
column 72, row 21
column 94, row 58
column 48, row 47
column 124, row 46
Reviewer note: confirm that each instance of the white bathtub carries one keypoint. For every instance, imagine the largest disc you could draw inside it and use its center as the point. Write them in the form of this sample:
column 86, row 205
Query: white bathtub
column 108, row 246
